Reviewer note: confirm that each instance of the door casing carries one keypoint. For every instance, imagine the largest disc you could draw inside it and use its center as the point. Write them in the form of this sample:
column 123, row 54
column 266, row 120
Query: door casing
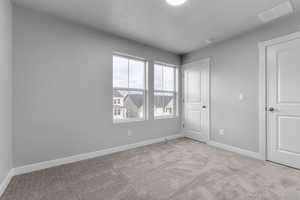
column 263, row 88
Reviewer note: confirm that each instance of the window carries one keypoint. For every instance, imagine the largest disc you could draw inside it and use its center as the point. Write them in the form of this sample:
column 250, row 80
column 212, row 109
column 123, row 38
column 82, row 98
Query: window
column 117, row 112
column 165, row 91
column 129, row 88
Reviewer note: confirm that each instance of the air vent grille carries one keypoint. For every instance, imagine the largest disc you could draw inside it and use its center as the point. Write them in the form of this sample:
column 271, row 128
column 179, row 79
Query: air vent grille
column 281, row 10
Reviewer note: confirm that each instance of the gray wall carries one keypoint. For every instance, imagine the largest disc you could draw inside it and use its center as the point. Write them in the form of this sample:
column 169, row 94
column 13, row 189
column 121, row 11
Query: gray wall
column 235, row 70
column 5, row 89
column 62, row 76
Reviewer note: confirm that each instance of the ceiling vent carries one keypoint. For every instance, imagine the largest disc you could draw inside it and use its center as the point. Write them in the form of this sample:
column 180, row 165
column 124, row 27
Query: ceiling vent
column 283, row 9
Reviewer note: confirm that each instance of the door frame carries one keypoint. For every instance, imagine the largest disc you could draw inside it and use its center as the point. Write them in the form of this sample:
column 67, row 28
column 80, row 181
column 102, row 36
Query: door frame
column 263, row 90
column 201, row 61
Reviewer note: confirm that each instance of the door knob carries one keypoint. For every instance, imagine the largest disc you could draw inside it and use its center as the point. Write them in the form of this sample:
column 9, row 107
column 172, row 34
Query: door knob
column 271, row 109
column 203, row 107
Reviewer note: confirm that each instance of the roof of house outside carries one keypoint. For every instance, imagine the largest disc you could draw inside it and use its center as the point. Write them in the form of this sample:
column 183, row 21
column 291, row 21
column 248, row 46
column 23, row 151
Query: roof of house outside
column 137, row 99
column 162, row 101
column 159, row 101
column 117, row 94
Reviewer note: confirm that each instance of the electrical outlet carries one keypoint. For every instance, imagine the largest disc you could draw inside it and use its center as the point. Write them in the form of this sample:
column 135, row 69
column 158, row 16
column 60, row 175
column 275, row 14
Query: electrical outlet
column 221, row 131
column 129, row 133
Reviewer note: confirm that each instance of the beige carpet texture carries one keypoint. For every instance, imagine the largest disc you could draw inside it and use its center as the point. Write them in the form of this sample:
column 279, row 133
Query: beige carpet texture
column 180, row 169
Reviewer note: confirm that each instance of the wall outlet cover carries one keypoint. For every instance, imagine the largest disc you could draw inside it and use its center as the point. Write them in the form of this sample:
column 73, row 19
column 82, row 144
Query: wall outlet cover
column 221, row 131
column 129, row 133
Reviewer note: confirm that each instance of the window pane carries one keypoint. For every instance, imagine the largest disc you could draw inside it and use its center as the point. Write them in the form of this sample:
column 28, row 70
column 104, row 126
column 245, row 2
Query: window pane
column 120, row 72
column 136, row 74
column 129, row 105
column 164, row 104
column 158, row 77
column 168, row 73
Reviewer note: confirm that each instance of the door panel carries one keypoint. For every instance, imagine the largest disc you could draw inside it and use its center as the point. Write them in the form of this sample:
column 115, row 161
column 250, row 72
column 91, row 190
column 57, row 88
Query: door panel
column 193, row 81
column 288, row 72
column 289, row 127
column 196, row 100
column 283, row 66
column 193, row 119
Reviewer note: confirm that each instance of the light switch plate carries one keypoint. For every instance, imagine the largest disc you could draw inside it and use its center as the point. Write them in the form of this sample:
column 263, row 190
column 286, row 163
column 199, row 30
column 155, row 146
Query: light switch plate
column 241, row 97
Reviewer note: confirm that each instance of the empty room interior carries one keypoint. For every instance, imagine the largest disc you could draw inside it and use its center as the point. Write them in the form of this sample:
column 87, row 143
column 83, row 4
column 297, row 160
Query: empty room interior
column 149, row 100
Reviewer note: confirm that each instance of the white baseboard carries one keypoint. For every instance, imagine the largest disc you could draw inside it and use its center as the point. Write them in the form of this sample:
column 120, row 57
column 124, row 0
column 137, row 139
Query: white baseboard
column 80, row 157
column 195, row 136
column 6, row 181
column 244, row 152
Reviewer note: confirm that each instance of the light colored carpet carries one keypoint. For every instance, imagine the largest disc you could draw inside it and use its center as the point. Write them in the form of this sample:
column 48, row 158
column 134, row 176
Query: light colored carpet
column 181, row 169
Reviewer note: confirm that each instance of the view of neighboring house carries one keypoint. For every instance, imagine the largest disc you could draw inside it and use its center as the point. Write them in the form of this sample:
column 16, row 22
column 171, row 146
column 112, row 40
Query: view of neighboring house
column 163, row 105
column 119, row 110
column 131, row 106
column 127, row 106
column 134, row 104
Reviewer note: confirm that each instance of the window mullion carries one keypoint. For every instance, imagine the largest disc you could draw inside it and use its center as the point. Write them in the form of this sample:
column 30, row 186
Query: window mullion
column 162, row 73
column 128, row 73
column 174, row 88
column 146, row 105
column 165, row 91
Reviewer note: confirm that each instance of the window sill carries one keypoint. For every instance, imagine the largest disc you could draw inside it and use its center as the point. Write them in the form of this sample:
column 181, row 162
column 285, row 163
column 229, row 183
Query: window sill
column 165, row 117
column 127, row 121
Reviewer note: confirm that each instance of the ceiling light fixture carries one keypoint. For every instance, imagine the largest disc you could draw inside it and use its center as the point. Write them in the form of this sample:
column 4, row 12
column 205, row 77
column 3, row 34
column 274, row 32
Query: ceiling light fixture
column 176, row 2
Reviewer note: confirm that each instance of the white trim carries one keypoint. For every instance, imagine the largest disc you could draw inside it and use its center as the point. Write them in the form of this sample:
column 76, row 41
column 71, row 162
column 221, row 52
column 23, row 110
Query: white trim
column 262, row 102
column 209, row 97
column 165, row 64
column 279, row 39
column 244, row 152
column 166, row 117
column 263, row 89
column 166, row 91
column 129, row 89
column 194, row 136
column 119, row 121
column 80, row 157
column 6, row 181
column 200, row 62
column 128, row 56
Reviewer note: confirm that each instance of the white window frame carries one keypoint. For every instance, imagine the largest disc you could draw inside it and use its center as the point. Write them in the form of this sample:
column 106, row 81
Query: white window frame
column 145, row 90
column 175, row 92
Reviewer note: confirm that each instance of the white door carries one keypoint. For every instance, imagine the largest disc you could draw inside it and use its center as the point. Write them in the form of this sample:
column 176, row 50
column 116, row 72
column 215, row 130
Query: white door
column 196, row 100
column 283, row 79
